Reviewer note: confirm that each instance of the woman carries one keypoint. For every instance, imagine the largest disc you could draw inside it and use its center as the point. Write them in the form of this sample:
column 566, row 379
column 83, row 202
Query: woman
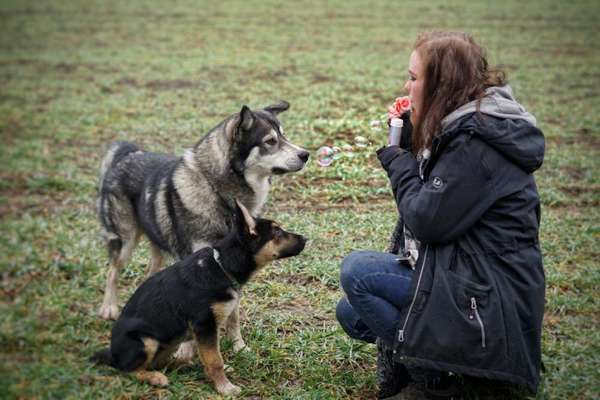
column 473, row 305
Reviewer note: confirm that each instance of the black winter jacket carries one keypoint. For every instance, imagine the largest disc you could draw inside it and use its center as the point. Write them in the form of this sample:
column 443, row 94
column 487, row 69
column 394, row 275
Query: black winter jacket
column 477, row 297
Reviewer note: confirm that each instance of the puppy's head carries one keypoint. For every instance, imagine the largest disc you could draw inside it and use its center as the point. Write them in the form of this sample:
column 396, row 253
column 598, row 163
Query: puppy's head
column 266, row 240
column 258, row 144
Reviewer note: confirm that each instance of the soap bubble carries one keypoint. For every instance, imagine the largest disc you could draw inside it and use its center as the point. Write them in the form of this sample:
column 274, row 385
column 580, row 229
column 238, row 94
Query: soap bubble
column 325, row 156
column 361, row 141
column 337, row 152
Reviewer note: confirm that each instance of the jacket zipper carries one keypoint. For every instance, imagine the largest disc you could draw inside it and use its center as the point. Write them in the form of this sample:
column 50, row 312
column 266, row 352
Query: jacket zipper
column 412, row 303
column 476, row 313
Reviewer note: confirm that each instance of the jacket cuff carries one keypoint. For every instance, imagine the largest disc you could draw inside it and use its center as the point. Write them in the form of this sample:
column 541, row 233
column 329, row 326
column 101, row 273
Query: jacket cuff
column 387, row 154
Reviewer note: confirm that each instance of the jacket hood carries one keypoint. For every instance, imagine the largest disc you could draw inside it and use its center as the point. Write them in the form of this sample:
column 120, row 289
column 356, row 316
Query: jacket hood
column 505, row 125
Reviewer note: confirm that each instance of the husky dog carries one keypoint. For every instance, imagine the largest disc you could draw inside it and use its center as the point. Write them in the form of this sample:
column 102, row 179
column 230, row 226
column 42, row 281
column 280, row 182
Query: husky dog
column 186, row 203
column 195, row 297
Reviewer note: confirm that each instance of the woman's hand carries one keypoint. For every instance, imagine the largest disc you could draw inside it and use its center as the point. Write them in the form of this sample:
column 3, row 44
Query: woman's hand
column 401, row 105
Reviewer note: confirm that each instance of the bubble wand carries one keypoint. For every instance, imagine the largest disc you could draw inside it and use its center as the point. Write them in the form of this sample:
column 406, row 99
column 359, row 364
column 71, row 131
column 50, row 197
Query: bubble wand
column 395, row 112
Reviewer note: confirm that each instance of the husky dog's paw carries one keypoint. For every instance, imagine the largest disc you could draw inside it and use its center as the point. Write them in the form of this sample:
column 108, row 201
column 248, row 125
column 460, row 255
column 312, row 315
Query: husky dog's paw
column 109, row 311
column 240, row 345
column 186, row 351
column 228, row 389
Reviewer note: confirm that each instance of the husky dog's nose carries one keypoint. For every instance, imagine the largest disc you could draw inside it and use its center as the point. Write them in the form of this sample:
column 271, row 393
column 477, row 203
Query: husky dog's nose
column 303, row 155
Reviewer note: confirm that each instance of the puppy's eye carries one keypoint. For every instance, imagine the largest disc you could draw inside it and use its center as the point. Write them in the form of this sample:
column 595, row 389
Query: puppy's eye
column 277, row 233
column 271, row 142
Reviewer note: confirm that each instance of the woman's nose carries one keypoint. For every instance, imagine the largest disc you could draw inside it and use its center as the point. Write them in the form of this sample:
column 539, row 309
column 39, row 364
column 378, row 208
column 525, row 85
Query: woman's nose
column 407, row 87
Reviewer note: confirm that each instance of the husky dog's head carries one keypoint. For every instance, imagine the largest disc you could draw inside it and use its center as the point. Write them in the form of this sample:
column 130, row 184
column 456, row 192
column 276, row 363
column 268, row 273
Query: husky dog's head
column 258, row 145
column 265, row 238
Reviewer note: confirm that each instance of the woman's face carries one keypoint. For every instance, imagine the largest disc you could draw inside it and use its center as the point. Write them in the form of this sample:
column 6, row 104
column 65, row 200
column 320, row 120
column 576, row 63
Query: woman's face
column 414, row 85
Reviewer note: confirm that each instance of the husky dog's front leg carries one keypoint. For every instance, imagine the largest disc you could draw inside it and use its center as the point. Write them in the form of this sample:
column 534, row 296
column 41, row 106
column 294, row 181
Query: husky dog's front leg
column 157, row 261
column 233, row 330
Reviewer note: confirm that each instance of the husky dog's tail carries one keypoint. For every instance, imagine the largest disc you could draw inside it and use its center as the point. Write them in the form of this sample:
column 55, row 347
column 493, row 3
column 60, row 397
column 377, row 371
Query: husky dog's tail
column 103, row 357
column 115, row 153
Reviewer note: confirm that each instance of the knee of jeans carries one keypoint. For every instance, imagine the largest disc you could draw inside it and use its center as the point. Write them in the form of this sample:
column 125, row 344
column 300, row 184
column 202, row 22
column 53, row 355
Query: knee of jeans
column 343, row 311
column 346, row 316
column 349, row 269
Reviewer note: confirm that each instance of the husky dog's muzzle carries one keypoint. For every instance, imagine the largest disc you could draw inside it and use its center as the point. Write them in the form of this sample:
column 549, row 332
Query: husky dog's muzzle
column 293, row 164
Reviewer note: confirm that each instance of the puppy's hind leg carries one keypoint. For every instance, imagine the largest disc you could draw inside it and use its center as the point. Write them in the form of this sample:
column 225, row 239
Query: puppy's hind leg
column 136, row 355
column 154, row 378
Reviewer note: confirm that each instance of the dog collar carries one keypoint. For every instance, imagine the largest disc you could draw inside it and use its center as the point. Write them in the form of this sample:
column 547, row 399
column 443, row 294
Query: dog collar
column 236, row 285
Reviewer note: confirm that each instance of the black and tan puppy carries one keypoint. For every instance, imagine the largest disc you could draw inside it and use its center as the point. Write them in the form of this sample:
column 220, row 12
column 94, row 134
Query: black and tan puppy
column 196, row 297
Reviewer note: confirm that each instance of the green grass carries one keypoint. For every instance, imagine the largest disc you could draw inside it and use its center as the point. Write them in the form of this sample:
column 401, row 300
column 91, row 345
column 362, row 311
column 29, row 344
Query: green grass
column 76, row 75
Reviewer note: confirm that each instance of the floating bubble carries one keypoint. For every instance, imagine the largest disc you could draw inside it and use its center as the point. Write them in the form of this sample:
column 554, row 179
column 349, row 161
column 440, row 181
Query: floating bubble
column 337, row 153
column 325, row 156
column 361, row 141
column 376, row 125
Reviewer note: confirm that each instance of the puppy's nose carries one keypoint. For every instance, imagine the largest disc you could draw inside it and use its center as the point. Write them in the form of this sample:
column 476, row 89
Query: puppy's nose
column 303, row 241
column 304, row 156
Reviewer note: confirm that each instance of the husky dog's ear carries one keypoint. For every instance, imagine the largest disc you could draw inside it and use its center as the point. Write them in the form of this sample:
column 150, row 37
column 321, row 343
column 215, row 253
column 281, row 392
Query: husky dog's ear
column 245, row 220
column 278, row 108
column 242, row 120
column 246, row 118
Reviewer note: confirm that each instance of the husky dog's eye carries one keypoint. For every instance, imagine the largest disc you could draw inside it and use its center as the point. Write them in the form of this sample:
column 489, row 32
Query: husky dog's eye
column 271, row 142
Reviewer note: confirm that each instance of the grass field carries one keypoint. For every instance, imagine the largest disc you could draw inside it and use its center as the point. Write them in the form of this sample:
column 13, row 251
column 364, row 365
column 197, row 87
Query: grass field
column 77, row 75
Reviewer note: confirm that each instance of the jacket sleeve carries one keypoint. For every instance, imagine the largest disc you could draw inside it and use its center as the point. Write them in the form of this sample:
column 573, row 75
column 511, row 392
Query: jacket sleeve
column 456, row 194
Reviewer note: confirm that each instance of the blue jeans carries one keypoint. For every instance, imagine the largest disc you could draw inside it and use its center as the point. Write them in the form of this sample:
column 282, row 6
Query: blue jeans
column 376, row 287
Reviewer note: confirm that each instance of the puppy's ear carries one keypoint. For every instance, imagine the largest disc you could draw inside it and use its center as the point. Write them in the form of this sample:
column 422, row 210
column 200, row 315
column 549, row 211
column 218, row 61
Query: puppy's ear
column 278, row 107
column 246, row 222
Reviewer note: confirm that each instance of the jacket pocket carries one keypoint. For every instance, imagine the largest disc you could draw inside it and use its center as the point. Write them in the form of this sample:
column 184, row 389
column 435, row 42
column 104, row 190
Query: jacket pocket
column 475, row 314
column 479, row 322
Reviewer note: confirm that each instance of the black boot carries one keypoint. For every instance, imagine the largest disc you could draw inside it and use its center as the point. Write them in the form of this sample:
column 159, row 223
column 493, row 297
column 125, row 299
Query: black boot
column 392, row 377
column 444, row 386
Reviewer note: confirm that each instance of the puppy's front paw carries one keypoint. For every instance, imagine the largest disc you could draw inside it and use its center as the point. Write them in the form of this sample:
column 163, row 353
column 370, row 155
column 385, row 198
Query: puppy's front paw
column 229, row 389
column 186, row 351
column 109, row 311
column 158, row 379
column 154, row 378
